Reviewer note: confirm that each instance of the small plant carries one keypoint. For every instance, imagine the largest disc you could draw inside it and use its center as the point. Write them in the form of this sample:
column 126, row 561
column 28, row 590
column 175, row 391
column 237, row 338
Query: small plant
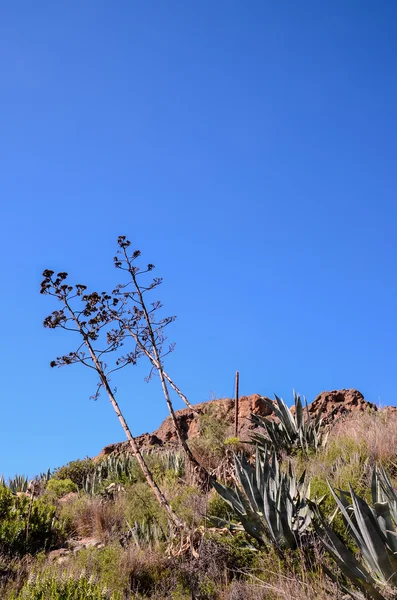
column 50, row 587
column 383, row 491
column 293, row 431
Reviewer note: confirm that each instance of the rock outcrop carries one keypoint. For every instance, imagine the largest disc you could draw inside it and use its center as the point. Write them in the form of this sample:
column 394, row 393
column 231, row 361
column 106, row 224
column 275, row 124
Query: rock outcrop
column 339, row 403
column 335, row 404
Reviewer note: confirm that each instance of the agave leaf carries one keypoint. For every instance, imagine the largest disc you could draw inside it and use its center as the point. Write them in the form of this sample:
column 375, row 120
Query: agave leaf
column 298, row 412
column 347, row 562
column 374, row 544
column 245, row 476
column 383, row 516
column 230, row 497
column 286, row 417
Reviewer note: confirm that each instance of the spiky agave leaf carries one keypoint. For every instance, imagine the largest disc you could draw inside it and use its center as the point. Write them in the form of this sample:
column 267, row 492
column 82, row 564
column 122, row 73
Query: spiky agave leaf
column 271, row 505
column 373, row 533
column 298, row 430
column 383, row 491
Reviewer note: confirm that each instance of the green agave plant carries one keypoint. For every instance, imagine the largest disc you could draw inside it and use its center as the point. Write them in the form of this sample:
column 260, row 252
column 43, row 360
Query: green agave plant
column 373, row 531
column 293, row 430
column 148, row 535
column 271, row 505
column 19, row 483
column 382, row 490
column 174, row 461
column 124, row 468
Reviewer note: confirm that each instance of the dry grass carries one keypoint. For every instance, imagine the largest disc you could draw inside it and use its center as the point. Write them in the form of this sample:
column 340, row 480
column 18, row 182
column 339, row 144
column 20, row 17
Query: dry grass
column 283, row 588
column 287, row 579
column 375, row 431
column 92, row 517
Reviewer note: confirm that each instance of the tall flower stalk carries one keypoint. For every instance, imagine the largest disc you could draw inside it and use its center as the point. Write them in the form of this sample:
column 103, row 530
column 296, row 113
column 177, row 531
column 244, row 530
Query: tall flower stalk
column 87, row 315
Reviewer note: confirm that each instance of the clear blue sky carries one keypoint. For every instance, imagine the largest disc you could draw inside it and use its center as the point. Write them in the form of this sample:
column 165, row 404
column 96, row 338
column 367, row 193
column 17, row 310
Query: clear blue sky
column 249, row 149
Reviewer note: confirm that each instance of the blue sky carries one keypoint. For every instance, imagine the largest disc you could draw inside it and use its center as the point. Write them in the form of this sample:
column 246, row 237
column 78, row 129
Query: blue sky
column 248, row 149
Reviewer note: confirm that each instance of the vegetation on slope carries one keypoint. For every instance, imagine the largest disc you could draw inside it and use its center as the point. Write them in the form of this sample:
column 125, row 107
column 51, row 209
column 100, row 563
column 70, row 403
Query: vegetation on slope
column 300, row 512
column 135, row 553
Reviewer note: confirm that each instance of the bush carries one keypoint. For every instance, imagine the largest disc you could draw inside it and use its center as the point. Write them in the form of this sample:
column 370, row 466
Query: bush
column 51, row 587
column 26, row 525
column 108, row 565
column 60, row 487
column 76, row 470
column 91, row 516
column 141, row 506
column 210, row 446
column 189, row 504
column 217, row 507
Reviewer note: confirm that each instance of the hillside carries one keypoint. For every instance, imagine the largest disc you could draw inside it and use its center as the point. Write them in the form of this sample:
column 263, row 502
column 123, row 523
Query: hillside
column 334, row 404
column 93, row 530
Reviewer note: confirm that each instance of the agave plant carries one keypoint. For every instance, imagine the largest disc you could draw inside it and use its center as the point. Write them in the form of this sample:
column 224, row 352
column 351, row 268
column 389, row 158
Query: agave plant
column 19, row 483
column 383, row 491
column 292, row 430
column 124, row 468
column 174, row 461
column 145, row 534
column 271, row 505
column 374, row 534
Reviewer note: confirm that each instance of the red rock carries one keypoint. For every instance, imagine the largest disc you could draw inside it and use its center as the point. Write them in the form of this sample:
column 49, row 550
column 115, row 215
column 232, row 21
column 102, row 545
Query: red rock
column 334, row 404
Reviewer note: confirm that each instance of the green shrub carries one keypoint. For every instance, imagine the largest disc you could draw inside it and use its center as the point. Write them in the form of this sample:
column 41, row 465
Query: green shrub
column 189, row 504
column 210, row 446
column 76, row 470
column 142, row 506
column 50, row 587
column 107, row 565
column 218, row 507
column 60, row 487
column 240, row 553
column 26, row 525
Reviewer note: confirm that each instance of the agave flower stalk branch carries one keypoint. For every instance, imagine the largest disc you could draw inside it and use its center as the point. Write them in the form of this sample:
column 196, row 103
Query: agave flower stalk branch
column 154, row 362
column 90, row 332
column 149, row 340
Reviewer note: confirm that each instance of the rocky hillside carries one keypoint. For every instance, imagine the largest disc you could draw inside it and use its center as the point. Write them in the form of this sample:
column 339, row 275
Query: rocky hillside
column 334, row 404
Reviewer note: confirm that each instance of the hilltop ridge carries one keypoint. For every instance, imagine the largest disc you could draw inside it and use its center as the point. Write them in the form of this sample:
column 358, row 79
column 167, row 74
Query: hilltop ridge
column 334, row 404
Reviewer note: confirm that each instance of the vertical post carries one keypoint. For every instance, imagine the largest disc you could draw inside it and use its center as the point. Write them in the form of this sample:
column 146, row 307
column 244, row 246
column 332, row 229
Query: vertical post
column 236, row 407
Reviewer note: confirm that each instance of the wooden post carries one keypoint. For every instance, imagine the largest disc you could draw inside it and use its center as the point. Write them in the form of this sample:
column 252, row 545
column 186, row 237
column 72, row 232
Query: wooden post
column 236, row 407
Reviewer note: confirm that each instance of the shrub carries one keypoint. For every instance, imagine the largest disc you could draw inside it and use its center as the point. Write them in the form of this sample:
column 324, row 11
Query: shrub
column 217, row 507
column 26, row 525
column 60, row 487
column 91, row 516
column 210, row 446
column 50, row 587
column 141, row 506
column 189, row 504
column 76, row 470
column 109, row 565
